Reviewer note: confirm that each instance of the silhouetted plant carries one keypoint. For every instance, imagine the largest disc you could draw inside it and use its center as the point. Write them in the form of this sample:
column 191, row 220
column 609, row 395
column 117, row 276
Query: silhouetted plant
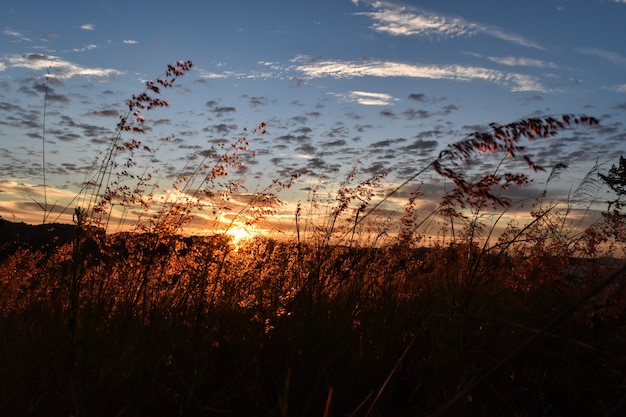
column 615, row 179
column 107, row 183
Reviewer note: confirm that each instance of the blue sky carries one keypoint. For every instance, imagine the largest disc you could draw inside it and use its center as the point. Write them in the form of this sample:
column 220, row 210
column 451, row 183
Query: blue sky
column 389, row 84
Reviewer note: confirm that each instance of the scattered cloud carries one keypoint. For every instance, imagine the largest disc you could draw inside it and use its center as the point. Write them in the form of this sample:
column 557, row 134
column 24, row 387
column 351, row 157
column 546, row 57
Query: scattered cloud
column 403, row 21
column 366, row 98
column 622, row 87
column 85, row 48
column 610, row 56
column 257, row 101
column 522, row 62
column 304, row 68
column 102, row 113
column 412, row 114
column 417, row 96
column 58, row 67
column 15, row 34
column 216, row 75
column 315, row 68
column 250, row 75
column 130, row 42
column 223, row 110
column 88, row 26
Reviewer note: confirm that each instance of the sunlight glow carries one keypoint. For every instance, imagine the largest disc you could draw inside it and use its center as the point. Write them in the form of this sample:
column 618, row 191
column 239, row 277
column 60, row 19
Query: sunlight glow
column 240, row 233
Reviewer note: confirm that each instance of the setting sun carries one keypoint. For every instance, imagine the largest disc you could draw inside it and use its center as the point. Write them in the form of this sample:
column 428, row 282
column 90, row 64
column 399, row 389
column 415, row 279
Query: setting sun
column 240, row 233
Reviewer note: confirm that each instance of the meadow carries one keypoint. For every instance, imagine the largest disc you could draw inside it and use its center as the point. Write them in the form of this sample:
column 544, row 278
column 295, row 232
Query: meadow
column 352, row 313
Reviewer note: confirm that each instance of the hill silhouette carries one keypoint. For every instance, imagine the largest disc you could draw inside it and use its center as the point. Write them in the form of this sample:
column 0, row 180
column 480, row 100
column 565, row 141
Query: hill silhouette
column 43, row 237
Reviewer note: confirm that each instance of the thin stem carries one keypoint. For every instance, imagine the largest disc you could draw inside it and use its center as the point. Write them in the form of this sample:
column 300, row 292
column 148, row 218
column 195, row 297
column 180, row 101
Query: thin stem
column 43, row 148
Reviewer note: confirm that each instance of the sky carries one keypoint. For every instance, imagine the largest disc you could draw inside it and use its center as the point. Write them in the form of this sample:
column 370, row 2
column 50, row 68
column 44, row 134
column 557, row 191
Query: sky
column 385, row 86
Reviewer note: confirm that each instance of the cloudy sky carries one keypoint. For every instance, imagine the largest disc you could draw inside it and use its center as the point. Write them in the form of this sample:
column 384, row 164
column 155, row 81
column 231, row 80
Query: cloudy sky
column 389, row 84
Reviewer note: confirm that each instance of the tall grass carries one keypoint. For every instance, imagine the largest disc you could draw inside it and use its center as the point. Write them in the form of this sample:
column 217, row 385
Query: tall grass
column 357, row 314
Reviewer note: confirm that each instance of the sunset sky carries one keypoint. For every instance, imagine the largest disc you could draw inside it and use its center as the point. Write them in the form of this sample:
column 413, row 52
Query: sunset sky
column 389, row 84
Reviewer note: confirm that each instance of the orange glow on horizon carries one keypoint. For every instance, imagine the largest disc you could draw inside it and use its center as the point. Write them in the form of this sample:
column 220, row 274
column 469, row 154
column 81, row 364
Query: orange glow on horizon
column 239, row 233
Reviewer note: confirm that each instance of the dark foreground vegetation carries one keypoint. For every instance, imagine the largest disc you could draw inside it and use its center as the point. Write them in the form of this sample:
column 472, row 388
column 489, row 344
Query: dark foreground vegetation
column 135, row 324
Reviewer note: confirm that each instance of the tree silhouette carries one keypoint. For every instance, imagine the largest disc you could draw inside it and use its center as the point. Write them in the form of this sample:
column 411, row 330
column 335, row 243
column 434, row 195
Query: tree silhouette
column 616, row 180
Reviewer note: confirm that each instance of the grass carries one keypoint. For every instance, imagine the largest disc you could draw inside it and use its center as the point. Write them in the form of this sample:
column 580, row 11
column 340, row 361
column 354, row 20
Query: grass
column 213, row 331
column 356, row 315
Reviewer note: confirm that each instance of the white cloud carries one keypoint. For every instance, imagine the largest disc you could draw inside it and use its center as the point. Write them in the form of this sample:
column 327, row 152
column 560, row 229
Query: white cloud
column 521, row 62
column 12, row 33
column 85, row 48
column 510, row 37
column 622, row 87
column 216, row 75
column 15, row 34
column 402, row 21
column 130, row 42
column 366, row 98
column 60, row 68
column 606, row 55
column 237, row 75
column 88, row 26
column 372, row 68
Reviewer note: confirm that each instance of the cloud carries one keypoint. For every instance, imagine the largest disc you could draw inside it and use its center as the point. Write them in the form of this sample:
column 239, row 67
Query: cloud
column 417, row 96
column 102, row 113
column 215, row 75
column 222, row 110
column 238, row 75
column 422, row 145
column 403, row 21
column 85, row 48
column 335, row 143
column 308, row 68
column 522, row 62
column 257, row 101
column 15, row 34
column 313, row 68
column 130, row 42
column 412, row 114
column 605, row 55
column 88, row 26
column 58, row 67
column 18, row 195
column 381, row 144
column 620, row 88
column 366, row 98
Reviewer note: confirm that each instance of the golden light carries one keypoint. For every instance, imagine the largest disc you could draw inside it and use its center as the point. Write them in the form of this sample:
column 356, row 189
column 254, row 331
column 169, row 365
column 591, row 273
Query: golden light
column 239, row 233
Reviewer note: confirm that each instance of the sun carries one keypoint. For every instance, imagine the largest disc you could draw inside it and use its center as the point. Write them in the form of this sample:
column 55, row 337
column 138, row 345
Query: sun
column 240, row 233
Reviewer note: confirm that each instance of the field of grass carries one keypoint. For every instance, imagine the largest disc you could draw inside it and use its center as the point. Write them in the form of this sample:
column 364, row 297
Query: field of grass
column 347, row 315
column 138, row 325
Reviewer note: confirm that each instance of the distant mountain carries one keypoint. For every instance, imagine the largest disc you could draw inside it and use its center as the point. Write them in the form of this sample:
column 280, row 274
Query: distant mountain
column 46, row 237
